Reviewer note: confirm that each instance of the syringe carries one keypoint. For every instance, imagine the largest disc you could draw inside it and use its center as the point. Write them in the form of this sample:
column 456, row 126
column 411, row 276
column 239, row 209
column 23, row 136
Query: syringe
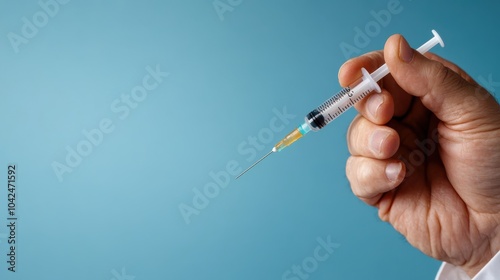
column 341, row 102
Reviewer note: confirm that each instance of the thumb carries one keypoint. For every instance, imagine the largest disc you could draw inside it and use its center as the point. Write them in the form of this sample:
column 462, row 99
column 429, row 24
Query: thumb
column 451, row 98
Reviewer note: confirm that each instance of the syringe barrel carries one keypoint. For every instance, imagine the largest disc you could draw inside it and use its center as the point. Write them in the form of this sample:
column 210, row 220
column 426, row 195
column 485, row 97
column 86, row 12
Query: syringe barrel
column 341, row 102
column 325, row 113
column 348, row 96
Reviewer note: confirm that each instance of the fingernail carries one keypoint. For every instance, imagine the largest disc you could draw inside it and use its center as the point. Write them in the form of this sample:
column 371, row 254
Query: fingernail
column 405, row 51
column 378, row 137
column 392, row 171
column 373, row 103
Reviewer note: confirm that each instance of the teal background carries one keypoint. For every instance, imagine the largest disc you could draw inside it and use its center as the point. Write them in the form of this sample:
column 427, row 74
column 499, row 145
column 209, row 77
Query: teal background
column 119, row 209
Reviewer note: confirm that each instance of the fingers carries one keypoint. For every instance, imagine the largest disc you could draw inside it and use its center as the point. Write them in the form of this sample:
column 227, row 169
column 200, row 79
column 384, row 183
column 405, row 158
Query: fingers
column 370, row 170
column 440, row 89
column 351, row 70
column 367, row 139
column 371, row 178
column 377, row 107
column 436, row 70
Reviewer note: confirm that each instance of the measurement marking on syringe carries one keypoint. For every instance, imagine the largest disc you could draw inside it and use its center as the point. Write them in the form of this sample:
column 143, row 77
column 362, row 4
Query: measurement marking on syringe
column 338, row 104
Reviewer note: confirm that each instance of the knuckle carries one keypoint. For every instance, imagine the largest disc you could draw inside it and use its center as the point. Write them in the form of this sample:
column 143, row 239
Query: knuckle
column 364, row 174
column 349, row 168
column 358, row 180
column 376, row 59
column 445, row 78
column 352, row 134
column 356, row 192
column 442, row 73
column 352, row 177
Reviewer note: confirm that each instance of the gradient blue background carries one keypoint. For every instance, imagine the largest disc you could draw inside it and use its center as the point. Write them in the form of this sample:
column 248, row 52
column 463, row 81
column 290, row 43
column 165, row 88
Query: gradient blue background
column 120, row 207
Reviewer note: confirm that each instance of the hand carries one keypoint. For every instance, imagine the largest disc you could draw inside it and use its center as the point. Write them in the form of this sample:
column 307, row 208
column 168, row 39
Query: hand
column 426, row 153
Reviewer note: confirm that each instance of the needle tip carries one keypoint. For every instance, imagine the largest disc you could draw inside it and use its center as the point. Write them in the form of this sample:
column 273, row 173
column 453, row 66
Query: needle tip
column 251, row 166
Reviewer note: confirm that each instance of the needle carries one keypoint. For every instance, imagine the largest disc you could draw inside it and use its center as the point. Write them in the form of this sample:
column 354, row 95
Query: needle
column 341, row 102
column 251, row 166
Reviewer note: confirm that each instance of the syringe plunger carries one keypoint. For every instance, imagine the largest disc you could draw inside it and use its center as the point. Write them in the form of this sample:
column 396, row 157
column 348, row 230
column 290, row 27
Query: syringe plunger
column 342, row 101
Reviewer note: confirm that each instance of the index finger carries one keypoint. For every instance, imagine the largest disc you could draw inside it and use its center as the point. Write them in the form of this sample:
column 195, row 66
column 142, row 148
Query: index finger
column 378, row 108
column 349, row 72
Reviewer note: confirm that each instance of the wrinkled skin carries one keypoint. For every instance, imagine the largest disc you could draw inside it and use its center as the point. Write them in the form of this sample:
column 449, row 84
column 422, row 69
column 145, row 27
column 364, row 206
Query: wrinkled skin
column 426, row 153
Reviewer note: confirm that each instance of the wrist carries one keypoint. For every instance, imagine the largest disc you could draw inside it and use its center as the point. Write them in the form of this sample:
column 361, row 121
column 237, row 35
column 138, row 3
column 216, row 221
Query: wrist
column 490, row 270
column 483, row 253
column 473, row 268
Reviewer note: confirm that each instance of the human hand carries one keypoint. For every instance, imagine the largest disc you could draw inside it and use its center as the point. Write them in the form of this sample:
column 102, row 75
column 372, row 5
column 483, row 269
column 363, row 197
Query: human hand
column 426, row 153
